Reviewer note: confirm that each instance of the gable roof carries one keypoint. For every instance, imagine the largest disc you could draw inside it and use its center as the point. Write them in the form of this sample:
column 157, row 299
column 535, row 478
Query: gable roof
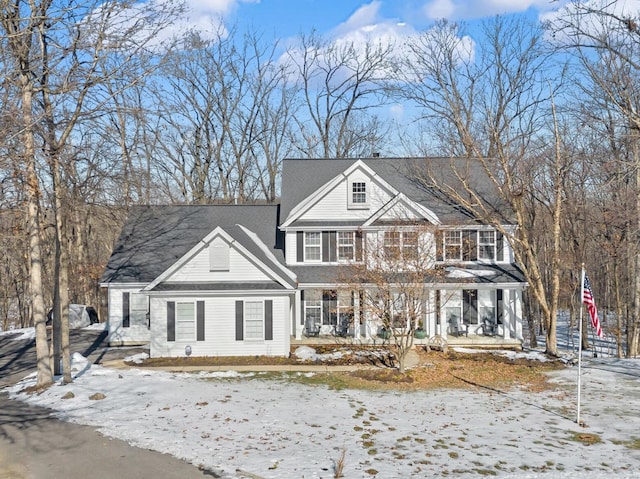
column 156, row 237
column 301, row 178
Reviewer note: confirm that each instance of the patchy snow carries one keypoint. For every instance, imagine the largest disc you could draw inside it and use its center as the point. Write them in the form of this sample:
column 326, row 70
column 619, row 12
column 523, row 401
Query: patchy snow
column 20, row 334
column 273, row 427
column 137, row 358
column 455, row 272
column 228, row 421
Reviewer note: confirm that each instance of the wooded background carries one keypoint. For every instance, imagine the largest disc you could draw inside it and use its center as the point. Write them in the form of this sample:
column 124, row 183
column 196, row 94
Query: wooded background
column 99, row 113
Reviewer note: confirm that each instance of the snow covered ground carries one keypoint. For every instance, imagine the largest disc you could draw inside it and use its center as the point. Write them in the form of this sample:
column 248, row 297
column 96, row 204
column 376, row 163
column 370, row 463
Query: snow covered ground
column 238, row 425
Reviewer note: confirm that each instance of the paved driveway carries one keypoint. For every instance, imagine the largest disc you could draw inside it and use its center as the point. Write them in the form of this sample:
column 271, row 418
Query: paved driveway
column 35, row 445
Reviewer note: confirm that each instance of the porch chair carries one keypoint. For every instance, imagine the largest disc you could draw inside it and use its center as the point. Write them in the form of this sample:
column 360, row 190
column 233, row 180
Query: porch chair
column 312, row 329
column 489, row 327
column 457, row 328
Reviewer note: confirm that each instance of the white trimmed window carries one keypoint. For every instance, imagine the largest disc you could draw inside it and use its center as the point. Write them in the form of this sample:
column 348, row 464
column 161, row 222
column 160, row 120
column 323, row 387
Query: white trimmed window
column 487, row 245
column 253, row 320
column 312, row 246
column 138, row 309
column 346, row 245
column 452, row 307
column 452, row 245
column 392, row 245
column 486, row 306
column 185, row 321
column 359, row 193
column 409, row 245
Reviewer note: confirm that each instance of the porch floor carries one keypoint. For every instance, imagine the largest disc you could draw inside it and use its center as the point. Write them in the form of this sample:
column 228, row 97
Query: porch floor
column 472, row 341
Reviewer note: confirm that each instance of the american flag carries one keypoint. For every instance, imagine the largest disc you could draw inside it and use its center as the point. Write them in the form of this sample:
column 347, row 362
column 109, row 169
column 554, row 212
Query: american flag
column 587, row 298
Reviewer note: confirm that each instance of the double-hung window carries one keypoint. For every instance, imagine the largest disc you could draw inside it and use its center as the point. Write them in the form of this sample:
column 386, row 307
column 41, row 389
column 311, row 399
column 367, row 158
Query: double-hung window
column 346, row 245
column 486, row 245
column 392, row 245
column 452, row 245
column 185, row 321
column 254, row 319
column 358, row 193
column 313, row 246
column 409, row 245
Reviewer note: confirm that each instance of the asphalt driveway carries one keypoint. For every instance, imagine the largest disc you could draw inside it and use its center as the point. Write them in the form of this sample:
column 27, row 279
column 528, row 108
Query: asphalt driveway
column 34, row 445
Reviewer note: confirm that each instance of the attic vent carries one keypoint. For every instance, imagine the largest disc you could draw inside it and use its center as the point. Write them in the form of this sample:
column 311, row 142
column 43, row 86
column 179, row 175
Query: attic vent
column 219, row 256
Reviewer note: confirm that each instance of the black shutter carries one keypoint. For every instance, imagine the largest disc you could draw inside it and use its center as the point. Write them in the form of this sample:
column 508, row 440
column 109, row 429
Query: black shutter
column 239, row 320
column 469, row 247
column 171, row 321
column 499, row 246
column 300, row 246
column 470, row 306
column 439, row 240
column 200, row 321
column 438, row 322
column 126, row 318
column 358, row 245
column 499, row 306
column 333, row 253
column 302, row 307
column 268, row 320
column 325, row 246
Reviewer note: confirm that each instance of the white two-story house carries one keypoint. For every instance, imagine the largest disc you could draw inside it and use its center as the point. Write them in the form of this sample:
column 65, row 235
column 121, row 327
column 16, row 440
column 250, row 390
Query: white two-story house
column 213, row 280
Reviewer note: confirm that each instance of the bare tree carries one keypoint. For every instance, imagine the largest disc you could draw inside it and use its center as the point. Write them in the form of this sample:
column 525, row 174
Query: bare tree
column 341, row 83
column 485, row 105
column 606, row 40
column 393, row 283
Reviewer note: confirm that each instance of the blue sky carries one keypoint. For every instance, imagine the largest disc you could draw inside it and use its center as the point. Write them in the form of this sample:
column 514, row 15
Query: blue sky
column 288, row 18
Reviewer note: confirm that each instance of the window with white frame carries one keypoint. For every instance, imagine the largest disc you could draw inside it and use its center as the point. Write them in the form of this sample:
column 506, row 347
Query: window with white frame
column 409, row 245
column 313, row 246
column 487, row 306
column 359, row 193
column 392, row 244
column 452, row 308
column 486, row 245
column 138, row 309
column 185, row 321
column 452, row 245
column 312, row 307
column 401, row 245
column 346, row 245
column 254, row 320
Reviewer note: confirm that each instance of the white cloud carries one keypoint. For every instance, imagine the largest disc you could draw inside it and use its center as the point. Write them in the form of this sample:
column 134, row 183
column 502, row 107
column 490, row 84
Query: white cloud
column 473, row 9
column 571, row 21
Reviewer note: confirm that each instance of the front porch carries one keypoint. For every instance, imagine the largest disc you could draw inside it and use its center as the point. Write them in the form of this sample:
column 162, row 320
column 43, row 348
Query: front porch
column 471, row 342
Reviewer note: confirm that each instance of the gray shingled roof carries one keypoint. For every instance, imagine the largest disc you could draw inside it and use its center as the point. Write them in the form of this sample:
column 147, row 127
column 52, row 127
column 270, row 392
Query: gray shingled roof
column 155, row 237
column 303, row 177
column 472, row 273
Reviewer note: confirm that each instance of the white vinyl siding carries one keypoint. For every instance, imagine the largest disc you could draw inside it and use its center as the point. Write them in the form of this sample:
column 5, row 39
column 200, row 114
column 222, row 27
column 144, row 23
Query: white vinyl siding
column 137, row 332
column 220, row 328
column 198, row 269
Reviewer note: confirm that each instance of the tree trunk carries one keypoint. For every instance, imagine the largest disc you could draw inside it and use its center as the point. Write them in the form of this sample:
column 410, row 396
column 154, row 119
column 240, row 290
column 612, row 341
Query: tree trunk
column 44, row 374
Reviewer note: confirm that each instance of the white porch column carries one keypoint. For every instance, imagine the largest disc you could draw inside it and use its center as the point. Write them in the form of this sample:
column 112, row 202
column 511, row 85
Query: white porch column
column 297, row 319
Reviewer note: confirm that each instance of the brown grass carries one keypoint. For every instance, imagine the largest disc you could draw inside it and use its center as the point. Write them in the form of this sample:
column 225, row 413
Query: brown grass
column 438, row 370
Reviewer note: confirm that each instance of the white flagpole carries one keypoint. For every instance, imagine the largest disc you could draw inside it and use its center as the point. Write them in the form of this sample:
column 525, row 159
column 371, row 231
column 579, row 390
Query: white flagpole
column 580, row 341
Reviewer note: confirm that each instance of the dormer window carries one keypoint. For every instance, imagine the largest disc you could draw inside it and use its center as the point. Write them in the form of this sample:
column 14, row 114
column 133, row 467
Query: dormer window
column 358, row 194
